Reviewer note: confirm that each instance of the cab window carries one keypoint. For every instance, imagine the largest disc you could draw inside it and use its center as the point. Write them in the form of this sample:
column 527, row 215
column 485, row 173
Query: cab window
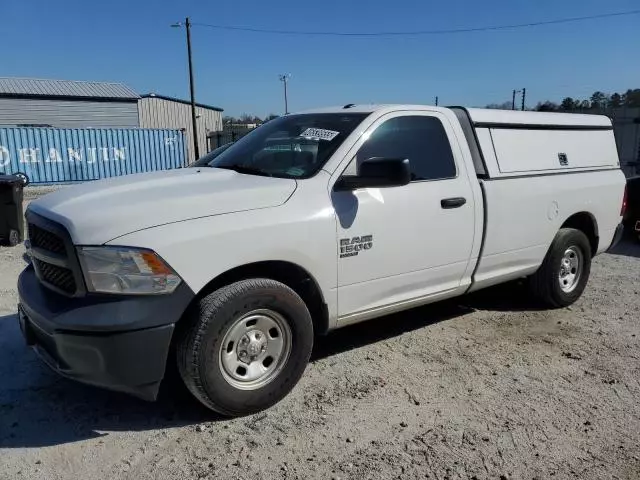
column 421, row 139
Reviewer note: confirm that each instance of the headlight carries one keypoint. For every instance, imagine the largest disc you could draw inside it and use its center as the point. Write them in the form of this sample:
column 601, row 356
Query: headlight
column 126, row 270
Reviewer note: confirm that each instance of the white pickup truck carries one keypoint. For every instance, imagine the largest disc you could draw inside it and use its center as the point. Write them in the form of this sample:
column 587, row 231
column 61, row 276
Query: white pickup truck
column 312, row 222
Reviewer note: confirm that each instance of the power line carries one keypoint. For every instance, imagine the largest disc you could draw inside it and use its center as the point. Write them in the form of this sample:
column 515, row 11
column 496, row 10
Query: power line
column 418, row 32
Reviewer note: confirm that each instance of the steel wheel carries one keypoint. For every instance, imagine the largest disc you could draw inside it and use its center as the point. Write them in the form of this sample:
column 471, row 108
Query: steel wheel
column 245, row 346
column 571, row 266
column 255, row 349
column 564, row 273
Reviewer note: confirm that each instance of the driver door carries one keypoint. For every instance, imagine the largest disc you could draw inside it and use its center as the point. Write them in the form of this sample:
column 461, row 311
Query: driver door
column 401, row 245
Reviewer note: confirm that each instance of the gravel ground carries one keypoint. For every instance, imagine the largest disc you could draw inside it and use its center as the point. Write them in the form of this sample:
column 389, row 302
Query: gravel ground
column 487, row 386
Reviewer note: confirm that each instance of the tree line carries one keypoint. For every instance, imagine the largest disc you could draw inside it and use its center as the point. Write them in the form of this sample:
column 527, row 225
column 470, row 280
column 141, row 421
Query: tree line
column 245, row 119
column 599, row 100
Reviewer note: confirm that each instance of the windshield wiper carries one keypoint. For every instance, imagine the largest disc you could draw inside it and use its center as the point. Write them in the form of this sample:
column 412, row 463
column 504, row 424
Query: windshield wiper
column 246, row 170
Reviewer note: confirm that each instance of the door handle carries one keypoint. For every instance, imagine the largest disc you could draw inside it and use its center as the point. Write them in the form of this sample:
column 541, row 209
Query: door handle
column 454, row 202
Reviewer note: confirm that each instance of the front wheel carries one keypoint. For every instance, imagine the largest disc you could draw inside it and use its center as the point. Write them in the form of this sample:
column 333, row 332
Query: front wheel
column 564, row 273
column 246, row 346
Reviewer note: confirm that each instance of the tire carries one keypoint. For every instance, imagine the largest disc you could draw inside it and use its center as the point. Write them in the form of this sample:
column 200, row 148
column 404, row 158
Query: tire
column 14, row 238
column 553, row 283
column 24, row 178
column 217, row 339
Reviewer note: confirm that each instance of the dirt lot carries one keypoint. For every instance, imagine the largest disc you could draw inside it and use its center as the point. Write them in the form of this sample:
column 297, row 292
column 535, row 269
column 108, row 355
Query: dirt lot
column 488, row 386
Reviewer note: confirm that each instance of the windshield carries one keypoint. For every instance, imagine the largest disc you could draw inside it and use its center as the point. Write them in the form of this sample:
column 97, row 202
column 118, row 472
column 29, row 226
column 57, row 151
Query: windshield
column 204, row 161
column 294, row 146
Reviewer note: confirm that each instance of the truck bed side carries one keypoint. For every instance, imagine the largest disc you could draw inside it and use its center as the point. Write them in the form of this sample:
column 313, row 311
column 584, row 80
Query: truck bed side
column 524, row 209
column 524, row 214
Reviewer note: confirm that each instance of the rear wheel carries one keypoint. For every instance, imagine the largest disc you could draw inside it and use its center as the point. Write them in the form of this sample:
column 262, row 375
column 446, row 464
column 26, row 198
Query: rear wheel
column 246, row 347
column 564, row 273
column 24, row 178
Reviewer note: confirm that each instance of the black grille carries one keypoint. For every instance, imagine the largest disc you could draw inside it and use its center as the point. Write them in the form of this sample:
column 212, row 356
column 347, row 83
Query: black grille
column 46, row 240
column 53, row 255
column 59, row 277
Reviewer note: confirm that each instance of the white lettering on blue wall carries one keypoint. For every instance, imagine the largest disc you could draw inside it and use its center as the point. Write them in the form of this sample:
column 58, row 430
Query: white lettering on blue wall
column 5, row 157
column 29, row 155
column 74, row 154
column 119, row 153
column 53, row 155
column 91, row 154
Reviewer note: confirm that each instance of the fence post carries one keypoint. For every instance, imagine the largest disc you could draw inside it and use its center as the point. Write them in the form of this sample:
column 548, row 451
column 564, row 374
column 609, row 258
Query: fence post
column 234, row 135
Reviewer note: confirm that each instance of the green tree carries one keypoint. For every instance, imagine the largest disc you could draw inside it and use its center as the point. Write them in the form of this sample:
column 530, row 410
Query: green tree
column 568, row 104
column 599, row 100
column 547, row 107
column 632, row 98
column 615, row 100
column 500, row 106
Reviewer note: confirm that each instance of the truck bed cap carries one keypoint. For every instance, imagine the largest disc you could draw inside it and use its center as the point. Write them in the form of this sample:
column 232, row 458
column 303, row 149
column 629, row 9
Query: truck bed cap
column 489, row 117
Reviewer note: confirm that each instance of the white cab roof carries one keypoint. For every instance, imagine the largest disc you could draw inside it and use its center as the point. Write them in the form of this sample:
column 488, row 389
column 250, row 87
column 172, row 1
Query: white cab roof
column 354, row 109
column 486, row 116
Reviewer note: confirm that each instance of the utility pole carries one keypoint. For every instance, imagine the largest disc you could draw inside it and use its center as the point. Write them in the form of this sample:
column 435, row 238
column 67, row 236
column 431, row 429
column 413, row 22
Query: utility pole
column 284, row 78
column 513, row 98
column 194, row 126
column 436, row 101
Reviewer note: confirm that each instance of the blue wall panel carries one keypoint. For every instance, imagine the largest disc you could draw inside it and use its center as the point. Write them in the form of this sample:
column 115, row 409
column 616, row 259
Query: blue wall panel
column 54, row 155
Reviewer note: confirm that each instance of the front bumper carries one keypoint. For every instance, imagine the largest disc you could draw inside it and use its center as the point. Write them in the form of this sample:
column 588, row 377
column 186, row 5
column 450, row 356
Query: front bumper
column 116, row 342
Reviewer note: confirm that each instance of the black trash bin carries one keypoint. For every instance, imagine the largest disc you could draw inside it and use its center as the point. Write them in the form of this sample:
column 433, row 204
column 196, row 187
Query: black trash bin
column 11, row 214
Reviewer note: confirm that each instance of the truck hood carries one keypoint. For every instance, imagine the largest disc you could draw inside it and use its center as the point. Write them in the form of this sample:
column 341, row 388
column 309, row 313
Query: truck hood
column 97, row 212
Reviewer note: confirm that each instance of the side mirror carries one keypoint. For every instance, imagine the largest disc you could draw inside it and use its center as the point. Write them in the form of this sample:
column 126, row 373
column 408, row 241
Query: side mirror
column 377, row 172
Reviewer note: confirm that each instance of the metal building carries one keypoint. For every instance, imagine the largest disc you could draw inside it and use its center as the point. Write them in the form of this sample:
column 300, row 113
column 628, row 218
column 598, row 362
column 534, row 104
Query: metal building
column 67, row 104
column 159, row 111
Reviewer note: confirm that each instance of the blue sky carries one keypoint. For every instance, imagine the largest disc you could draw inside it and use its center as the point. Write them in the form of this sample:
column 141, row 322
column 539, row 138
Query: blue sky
column 131, row 42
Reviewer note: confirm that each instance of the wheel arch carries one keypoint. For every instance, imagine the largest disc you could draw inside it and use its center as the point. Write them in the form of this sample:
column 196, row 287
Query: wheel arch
column 587, row 224
column 294, row 276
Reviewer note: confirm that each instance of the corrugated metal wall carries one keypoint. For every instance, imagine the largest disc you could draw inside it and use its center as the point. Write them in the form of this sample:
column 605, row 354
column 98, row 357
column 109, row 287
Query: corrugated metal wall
column 626, row 127
column 68, row 113
column 161, row 113
column 49, row 155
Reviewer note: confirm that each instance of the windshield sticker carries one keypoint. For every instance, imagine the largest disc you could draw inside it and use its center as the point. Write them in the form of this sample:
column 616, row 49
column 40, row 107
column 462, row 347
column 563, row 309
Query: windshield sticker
column 319, row 134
